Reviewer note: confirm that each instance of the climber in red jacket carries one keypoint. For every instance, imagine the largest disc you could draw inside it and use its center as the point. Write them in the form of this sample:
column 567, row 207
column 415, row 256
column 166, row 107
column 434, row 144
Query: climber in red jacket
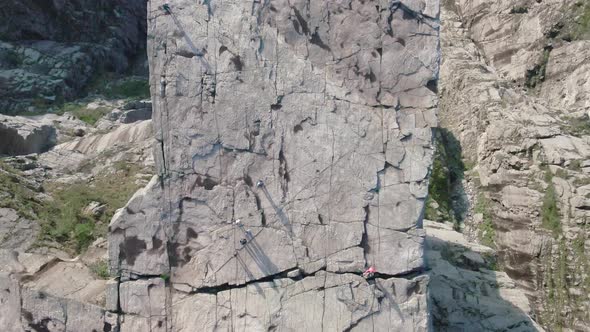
column 369, row 272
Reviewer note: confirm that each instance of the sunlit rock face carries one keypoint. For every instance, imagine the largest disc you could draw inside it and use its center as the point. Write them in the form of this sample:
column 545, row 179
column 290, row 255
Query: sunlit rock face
column 294, row 147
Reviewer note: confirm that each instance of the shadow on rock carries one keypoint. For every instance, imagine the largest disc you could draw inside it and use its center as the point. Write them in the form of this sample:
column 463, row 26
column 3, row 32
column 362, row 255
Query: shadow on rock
column 467, row 292
column 447, row 200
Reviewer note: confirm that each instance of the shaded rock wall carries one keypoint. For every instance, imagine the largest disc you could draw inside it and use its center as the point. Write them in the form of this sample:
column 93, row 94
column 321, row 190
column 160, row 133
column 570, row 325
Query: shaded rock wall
column 331, row 106
column 50, row 50
column 19, row 135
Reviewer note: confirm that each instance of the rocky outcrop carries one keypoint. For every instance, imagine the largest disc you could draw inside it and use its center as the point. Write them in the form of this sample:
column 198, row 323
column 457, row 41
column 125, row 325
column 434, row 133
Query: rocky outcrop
column 513, row 88
column 50, row 50
column 20, row 135
column 466, row 292
column 294, row 146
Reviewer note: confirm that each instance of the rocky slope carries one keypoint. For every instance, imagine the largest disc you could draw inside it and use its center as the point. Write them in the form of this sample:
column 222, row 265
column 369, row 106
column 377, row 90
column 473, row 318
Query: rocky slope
column 467, row 293
column 51, row 50
column 53, row 204
column 514, row 95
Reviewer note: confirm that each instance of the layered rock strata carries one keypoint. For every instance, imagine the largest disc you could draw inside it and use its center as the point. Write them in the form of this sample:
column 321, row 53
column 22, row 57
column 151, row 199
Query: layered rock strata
column 514, row 87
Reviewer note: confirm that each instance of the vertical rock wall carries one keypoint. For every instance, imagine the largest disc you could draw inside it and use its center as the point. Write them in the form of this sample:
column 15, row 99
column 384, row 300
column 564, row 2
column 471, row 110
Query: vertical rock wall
column 515, row 95
column 330, row 105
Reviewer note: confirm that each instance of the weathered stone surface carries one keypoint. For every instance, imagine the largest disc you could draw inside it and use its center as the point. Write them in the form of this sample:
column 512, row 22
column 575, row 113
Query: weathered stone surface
column 513, row 88
column 51, row 50
column 44, row 312
column 128, row 142
column 294, row 138
column 323, row 302
column 19, row 135
column 465, row 294
column 10, row 303
column 16, row 232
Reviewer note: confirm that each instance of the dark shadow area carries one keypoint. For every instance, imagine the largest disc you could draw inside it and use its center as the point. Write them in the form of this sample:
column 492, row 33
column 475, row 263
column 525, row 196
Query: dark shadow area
column 279, row 212
column 39, row 140
column 466, row 293
column 447, row 200
column 56, row 51
column 252, row 247
column 259, row 289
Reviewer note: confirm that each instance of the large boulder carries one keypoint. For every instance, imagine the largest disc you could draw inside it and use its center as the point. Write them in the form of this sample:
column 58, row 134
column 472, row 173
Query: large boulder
column 20, row 135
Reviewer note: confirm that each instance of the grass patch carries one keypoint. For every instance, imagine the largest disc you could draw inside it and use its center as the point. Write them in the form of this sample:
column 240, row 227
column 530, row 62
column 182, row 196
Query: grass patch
column 16, row 193
column 581, row 29
column 485, row 231
column 519, row 10
column 100, row 269
column 550, row 219
column 82, row 112
column 576, row 126
column 63, row 219
column 447, row 170
column 575, row 165
column 536, row 75
column 109, row 86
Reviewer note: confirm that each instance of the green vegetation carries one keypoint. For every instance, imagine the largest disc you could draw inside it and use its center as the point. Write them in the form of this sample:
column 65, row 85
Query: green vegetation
column 575, row 25
column 16, row 193
column 549, row 211
column 582, row 28
column 486, row 232
column 13, row 58
column 107, row 85
column 519, row 10
column 447, row 172
column 491, row 261
column 536, row 75
column 100, row 269
column 575, row 165
column 557, row 289
column 64, row 220
column 561, row 173
column 82, row 112
column 576, row 126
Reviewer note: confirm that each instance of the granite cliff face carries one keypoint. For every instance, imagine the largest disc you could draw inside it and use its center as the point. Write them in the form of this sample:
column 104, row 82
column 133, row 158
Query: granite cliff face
column 293, row 149
column 294, row 146
column 514, row 95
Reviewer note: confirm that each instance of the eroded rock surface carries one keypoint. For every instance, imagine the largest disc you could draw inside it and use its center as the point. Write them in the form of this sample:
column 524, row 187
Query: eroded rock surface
column 20, row 135
column 514, row 87
column 294, row 147
column 466, row 293
column 51, row 50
